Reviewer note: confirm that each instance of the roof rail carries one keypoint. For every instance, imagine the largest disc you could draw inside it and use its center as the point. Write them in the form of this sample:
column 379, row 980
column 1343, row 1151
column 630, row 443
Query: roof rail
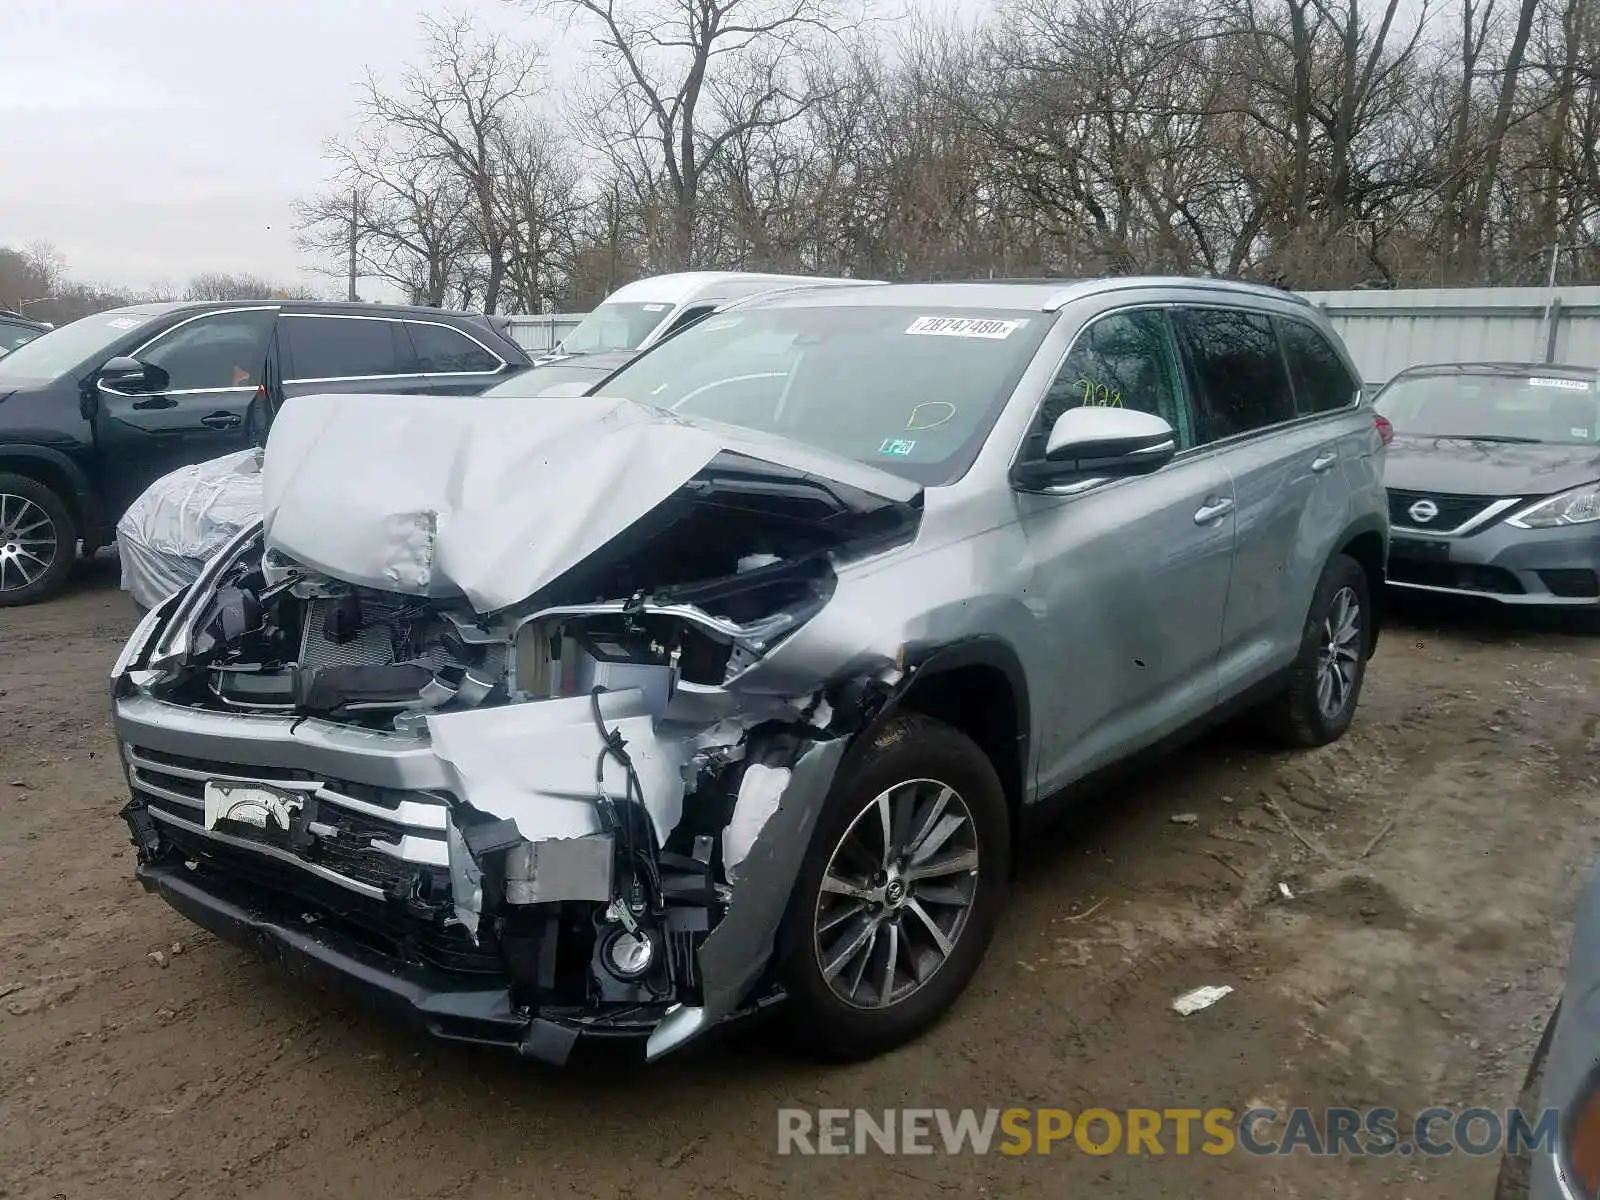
column 1135, row 282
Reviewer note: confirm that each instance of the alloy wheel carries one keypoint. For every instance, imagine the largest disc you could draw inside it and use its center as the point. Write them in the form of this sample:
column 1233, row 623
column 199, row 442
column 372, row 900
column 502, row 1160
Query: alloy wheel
column 896, row 894
column 1340, row 655
column 29, row 542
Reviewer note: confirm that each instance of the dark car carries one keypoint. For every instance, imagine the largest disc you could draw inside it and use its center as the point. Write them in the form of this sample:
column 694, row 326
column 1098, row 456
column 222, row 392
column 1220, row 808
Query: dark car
column 1494, row 481
column 93, row 412
column 16, row 330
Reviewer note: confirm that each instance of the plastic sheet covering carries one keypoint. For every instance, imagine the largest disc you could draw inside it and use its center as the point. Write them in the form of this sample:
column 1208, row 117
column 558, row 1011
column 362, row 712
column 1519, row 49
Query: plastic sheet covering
column 182, row 519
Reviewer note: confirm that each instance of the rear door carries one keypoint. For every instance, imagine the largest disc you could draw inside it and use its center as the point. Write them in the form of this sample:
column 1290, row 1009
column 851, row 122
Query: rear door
column 214, row 362
column 336, row 352
column 452, row 362
column 1292, row 502
column 1131, row 576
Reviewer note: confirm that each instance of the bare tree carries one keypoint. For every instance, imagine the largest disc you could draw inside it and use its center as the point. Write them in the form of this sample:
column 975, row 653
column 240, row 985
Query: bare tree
column 681, row 80
column 458, row 112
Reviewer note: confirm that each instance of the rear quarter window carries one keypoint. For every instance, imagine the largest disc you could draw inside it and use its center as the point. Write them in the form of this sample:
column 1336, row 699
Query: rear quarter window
column 1322, row 383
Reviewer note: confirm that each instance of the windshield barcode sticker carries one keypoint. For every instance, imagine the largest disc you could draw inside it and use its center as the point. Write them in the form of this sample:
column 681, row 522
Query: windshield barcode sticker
column 1571, row 385
column 967, row 327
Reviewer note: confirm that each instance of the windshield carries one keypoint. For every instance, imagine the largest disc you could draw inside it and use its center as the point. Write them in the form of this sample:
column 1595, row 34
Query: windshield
column 52, row 355
column 913, row 391
column 614, row 327
column 12, row 336
column 540, row 380
column 1494, row 407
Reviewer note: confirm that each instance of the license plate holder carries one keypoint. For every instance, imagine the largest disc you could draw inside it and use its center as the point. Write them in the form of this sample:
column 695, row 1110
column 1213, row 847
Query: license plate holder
column 1419, row 549
column 265, row 811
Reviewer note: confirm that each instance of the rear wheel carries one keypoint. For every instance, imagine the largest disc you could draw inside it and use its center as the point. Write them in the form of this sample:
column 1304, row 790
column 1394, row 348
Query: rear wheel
column 38, row 541
column 899, row 893
column 1319, row 702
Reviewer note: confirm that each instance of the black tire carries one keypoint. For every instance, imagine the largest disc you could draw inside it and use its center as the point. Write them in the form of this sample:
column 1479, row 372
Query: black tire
column 1516, row 1170
column 1296, row 716
column 821, row 1023
column 19, row 494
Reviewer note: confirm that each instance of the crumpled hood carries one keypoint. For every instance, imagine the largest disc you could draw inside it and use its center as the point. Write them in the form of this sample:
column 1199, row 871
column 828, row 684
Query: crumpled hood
column 1468, row 467
column 491, row 497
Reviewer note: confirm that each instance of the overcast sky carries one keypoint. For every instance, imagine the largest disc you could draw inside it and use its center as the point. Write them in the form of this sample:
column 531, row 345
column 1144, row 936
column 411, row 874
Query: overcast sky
column 151, row 141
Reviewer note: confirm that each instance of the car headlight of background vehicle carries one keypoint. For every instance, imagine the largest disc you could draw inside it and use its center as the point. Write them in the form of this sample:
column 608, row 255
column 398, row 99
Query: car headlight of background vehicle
column 1579, row 506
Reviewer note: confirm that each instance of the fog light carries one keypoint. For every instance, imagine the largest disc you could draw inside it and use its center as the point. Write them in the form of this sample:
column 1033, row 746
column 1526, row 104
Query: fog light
column 627, row 955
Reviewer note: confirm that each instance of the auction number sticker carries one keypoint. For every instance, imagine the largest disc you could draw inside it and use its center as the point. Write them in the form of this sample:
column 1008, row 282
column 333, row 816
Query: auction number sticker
column 1571, row 385
column 965, row 327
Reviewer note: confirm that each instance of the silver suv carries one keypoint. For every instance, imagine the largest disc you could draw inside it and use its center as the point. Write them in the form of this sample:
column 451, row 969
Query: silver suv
column 619, row 717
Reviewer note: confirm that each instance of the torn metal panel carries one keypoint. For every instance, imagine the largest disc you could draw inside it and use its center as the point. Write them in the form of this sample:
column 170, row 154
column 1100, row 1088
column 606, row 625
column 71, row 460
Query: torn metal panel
column 493, row 499
column 759, row 793
column 738, row 950
column 535, row 764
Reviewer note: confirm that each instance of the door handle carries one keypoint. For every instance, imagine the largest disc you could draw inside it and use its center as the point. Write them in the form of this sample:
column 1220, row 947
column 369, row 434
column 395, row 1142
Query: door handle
column 222, row 420
column 1322, row 462
column 1212, row 509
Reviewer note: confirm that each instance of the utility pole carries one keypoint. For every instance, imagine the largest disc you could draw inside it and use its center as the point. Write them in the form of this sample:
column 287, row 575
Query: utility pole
column 355, row 237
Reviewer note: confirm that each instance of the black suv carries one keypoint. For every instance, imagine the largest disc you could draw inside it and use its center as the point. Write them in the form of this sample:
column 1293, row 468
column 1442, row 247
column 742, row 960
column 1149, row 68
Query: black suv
column 92, row 413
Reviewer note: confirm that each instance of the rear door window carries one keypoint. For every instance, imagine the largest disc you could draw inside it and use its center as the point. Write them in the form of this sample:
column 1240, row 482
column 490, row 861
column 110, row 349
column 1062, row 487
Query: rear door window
column 442, row 350
column 332, row 348
column 1322, row 383
column 1241, row 381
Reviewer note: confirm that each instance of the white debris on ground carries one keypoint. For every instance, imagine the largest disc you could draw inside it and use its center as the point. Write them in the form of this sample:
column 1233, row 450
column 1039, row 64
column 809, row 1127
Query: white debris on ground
column 1201, row 998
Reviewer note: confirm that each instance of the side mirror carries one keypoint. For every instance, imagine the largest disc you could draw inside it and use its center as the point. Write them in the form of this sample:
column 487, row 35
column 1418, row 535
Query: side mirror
column 1101, row 443
column 124, row 374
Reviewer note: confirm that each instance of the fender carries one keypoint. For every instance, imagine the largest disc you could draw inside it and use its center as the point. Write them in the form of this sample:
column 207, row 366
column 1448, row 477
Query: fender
column 83, row 496
column 923, row 660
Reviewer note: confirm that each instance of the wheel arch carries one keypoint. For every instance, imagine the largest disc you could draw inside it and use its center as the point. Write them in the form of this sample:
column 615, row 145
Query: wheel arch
column 1367, row 542
column 61, row 475
column 978, row 686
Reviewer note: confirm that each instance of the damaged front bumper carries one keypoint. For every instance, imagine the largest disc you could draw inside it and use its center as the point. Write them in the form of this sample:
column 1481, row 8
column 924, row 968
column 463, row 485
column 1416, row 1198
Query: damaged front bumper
column 372, row 885
column 525, row 780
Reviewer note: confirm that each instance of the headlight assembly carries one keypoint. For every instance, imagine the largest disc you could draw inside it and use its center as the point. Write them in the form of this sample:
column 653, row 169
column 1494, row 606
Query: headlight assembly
column 1580, row 506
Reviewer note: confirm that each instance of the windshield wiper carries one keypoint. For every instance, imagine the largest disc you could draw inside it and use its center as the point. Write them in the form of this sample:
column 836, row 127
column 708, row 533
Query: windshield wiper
column 1489, row 437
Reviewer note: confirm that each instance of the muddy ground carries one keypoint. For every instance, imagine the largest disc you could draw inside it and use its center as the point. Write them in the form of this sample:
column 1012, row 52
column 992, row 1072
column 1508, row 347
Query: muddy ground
column 1433, row 858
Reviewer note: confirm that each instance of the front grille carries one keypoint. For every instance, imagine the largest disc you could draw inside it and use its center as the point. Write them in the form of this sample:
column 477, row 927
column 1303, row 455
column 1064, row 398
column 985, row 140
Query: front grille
column 1571, row 583
column 1462, row 577
column 361, row 839
column 383, row 926
column 1454, row 511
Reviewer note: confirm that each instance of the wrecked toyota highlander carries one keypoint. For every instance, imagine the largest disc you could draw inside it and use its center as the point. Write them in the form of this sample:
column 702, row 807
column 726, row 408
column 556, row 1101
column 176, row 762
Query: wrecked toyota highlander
column 734, row 688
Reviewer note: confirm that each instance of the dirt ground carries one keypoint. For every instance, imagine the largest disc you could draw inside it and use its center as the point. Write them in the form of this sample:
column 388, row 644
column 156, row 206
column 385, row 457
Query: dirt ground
column 1433, row 859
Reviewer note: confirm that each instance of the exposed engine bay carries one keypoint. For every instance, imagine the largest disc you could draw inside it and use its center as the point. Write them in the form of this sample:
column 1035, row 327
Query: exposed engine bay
column 572, row 792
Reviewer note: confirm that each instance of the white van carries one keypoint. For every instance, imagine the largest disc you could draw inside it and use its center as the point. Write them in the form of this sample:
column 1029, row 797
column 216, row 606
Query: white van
column 637, row 315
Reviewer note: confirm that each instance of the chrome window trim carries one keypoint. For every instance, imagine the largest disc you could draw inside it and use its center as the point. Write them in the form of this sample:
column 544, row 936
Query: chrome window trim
column 397, row 320
column 200, row 316
column 1083, row 485
column 1483, row 517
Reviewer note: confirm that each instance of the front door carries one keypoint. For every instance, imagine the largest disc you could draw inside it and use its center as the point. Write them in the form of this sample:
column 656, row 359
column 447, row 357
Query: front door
column 213, row 366
column 1130, row 577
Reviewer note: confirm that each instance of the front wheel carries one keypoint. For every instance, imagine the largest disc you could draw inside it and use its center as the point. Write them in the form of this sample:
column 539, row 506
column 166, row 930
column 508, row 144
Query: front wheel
column 1319, row 702
column 899, row 893
column 38, row 541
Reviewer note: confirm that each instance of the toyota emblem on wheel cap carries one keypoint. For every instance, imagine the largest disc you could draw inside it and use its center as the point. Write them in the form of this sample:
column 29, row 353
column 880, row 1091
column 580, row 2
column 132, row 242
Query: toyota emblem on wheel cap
column 1423, row 511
